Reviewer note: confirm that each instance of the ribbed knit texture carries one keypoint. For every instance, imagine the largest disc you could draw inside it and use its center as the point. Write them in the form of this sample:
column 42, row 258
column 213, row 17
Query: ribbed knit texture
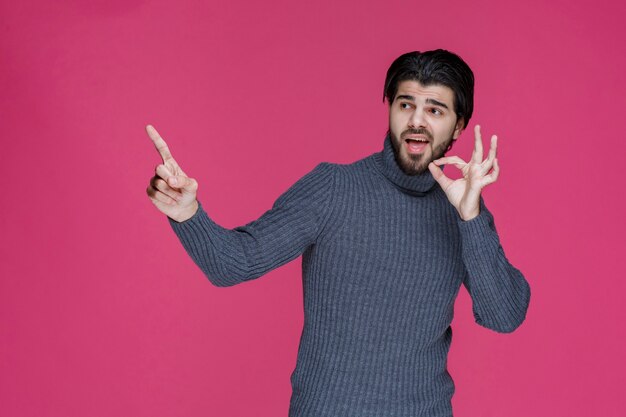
column 384, row 256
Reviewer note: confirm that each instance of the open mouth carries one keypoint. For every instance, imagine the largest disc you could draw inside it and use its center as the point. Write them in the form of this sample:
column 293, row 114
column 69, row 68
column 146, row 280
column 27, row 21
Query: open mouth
column 416, row 145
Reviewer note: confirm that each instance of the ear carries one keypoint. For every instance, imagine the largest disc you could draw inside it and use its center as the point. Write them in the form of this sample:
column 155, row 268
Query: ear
column 458, row 128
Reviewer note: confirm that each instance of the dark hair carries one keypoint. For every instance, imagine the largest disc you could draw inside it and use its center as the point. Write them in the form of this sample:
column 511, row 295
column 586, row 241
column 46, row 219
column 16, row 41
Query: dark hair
column 434, row 67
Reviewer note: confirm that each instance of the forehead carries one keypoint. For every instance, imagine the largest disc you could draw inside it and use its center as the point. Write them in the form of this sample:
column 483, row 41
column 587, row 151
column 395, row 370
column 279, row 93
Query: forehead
column 421, row 92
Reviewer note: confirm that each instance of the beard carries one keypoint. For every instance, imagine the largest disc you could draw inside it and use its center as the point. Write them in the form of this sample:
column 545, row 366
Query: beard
column 412, row 164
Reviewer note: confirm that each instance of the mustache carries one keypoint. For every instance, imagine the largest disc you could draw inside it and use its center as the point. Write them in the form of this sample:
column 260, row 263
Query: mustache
column 420, row 131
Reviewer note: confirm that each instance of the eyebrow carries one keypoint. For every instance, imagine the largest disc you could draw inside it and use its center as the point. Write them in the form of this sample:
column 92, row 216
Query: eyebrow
column 428, row 100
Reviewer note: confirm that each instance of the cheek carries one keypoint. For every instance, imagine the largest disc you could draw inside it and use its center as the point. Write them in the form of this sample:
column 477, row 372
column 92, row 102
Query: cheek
column 397, row 121
column 443, row 131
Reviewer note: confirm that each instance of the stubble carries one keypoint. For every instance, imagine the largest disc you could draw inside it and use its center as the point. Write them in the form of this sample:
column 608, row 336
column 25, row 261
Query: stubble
column 416, row 164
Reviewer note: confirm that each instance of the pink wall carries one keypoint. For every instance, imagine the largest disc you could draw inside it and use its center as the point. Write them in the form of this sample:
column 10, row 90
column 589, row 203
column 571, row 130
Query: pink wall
column 102, row 313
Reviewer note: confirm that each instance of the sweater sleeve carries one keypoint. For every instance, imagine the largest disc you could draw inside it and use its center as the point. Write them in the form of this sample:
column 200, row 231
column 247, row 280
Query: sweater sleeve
column 231, row 256
column 500, row 293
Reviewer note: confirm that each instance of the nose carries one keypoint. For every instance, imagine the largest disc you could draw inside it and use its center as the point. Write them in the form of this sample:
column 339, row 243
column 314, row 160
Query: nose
column 417, row 119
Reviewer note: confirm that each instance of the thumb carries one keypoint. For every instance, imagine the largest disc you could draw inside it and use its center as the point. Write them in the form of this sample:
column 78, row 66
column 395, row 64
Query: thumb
column 439, row 176
column 185, row 184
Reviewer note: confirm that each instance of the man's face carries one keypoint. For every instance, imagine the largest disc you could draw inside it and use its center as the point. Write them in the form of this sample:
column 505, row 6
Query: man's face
column 422, row 113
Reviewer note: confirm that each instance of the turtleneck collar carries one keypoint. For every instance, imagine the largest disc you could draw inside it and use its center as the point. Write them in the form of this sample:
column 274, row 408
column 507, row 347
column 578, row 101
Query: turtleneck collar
column 417, row 185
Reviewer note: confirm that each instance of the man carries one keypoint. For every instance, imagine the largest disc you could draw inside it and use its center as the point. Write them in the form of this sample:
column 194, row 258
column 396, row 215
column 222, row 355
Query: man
column 386, row 241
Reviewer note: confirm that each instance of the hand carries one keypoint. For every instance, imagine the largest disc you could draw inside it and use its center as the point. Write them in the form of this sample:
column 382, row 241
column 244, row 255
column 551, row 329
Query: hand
column 171, row 190
column 464, row 193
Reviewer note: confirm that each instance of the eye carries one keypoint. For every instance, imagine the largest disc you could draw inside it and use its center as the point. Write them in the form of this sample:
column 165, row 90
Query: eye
column 436, row 112
column 405, row 105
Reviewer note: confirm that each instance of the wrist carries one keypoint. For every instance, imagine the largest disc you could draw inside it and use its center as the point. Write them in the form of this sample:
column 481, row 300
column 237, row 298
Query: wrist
column 469, row 216
column 187, row 213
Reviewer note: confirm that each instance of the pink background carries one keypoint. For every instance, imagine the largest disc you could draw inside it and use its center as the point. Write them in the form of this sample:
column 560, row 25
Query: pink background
column 103, row 313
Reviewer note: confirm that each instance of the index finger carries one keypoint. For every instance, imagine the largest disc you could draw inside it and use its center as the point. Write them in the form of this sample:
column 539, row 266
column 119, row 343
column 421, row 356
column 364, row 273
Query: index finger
column 159, row 143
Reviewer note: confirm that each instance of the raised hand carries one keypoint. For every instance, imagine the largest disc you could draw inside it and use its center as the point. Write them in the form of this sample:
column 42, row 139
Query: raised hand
column 171, row 190
column 464, row 193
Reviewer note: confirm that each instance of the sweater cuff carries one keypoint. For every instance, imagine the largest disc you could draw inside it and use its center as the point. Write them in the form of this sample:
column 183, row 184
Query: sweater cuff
column 193, row 226
column 477, row 233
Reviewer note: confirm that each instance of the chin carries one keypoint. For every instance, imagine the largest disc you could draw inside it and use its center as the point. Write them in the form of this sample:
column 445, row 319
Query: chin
column 417, row 166
column 419, row 170
column 410, row 167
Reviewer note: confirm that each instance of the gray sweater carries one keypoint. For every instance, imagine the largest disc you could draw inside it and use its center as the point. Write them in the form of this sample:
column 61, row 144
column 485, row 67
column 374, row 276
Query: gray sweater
column 383, row 257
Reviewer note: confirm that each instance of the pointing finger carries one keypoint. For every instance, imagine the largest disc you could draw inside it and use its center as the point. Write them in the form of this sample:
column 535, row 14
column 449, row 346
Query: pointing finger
column 159, row 143
column 458, row 162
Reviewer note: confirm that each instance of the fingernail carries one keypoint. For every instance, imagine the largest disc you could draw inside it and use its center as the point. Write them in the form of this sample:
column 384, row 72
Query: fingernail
column 173, row 180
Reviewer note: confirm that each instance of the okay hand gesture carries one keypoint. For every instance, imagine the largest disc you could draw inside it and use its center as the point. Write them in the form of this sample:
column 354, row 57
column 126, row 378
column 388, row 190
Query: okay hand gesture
column 171, row 190
column 464, row 193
